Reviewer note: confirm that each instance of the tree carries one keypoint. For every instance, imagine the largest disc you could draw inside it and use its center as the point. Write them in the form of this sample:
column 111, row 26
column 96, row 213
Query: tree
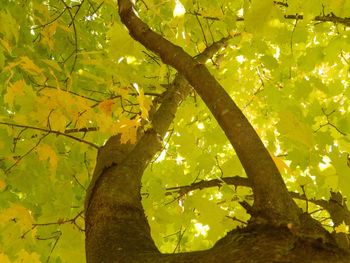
column 86, row 78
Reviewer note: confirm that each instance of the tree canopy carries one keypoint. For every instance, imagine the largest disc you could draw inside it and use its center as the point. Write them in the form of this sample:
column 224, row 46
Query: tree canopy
column 199, row 107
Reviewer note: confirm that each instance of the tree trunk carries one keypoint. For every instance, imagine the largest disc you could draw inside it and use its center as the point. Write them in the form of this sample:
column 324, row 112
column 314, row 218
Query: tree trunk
column 116, row 227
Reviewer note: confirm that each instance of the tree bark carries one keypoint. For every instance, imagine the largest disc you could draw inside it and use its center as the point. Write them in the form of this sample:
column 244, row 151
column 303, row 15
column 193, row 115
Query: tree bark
column 276, row 206
column 116, row 227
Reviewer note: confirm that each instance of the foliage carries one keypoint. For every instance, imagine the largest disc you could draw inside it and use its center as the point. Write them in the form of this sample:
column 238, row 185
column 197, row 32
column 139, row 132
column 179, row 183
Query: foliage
column 72, row 77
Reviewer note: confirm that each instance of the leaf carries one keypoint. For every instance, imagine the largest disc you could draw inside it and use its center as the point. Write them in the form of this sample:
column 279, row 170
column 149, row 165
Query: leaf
column 342, row 228
column 145, row 104
column 128, row 130
column 312, row 58
column 281, row 165
column 258, row 15
column 121, row 43
column 91, row 76
column 11, row 30
column 13, row 90
column 2, row 59
column 304, row 180
column 291, row 127
column 45, row 152
column 48, row 33
column 19, row 213
column 53, row 64
column 106, row 106
column 24, row 256
column 6, row 45
column 124, row 92
column 2, row 186
column 4, row 258
column 28, row 65
column 269, row 61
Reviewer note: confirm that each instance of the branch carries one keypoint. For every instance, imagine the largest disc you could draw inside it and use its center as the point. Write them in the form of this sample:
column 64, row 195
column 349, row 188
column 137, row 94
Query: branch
column 203, row 184
column 331, row 17
column 51, row 131
column 329, row 123
column 116, row 181
column 335, row 206
column 24, row 155
column 272, row 201
column 75, row 52
column 43, row 86
column 59, row 222
column 84, row 130
column 161, row 119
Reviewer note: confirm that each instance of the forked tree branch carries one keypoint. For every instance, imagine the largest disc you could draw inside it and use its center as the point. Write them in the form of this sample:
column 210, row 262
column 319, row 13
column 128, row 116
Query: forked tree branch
column 272, row 201
column 114, row 192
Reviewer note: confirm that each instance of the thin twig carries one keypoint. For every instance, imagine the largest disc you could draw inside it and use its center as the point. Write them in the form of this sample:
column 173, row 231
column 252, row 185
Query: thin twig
column 75, row 52
column 24, row 155
column 203, row 33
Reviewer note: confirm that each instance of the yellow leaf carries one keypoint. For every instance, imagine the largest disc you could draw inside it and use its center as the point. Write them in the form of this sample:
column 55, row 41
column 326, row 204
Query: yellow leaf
column 201, row 46
column 106, row 106
column 104, row 123
column 53, row 64
column 24, row 256
column 291, row 127
column 84, row 120
column 281, row 165
column 28, row 65
column 11, row 30
column 145, row 104
column 47, row 35
column 2, row 188
column 4, row 258
column 304, row 180
column 91, row 76
column 124, row 92
column 64, row 28
column 342, row 228
column 21, row 214
column 13, row 90
column 6, row 45
column 45, row 152
column 18, row 118
column 128, row 130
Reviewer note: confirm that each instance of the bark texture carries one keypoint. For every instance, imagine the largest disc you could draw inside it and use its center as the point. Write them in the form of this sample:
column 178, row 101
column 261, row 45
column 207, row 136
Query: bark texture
column 273, row 206
column 116, row 227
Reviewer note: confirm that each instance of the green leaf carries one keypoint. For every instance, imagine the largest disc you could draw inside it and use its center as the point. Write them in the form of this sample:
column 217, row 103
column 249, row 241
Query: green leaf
column 291, row 127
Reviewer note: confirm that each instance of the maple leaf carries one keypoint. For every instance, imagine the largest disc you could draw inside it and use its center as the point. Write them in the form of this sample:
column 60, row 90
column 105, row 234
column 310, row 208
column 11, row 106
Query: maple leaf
column 48, row 33
column 15, row 89
column 106, row 106
column 145, row 104
column 28, row 65
column 2, row 185
column 20, row 213
column 4, row 258
column 24, row 256
column 11, row 30
column 342, row 228
column 128, row 129
column 6, row 45
column 45, row 152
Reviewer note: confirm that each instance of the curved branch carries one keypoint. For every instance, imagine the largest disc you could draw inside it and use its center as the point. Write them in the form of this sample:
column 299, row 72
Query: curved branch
column 272, row 202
